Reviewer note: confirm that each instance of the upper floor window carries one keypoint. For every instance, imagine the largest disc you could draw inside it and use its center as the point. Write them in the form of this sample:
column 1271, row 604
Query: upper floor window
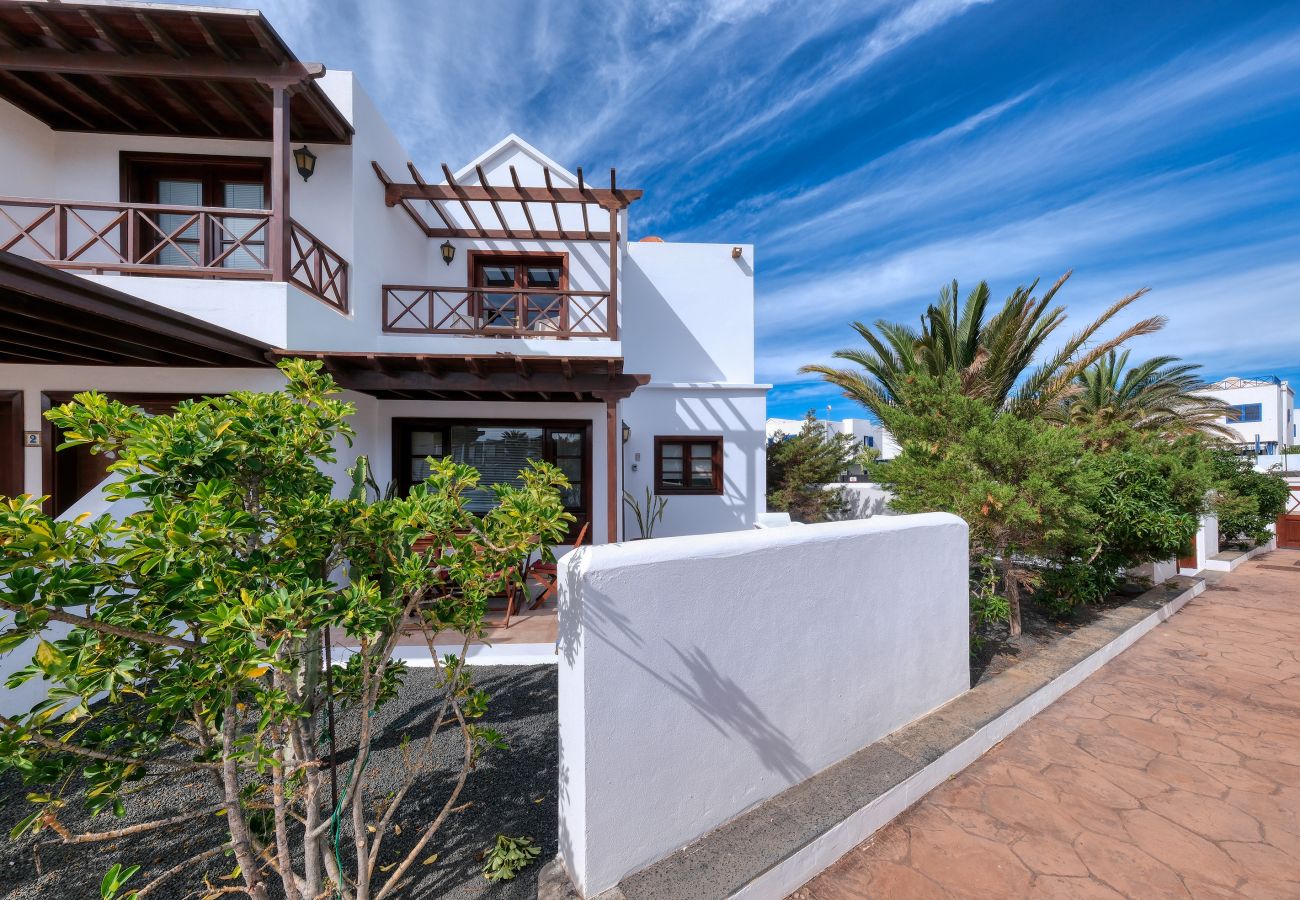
column 182, row 238
column 1246, row 412
column 688, row 465
column 523, row 291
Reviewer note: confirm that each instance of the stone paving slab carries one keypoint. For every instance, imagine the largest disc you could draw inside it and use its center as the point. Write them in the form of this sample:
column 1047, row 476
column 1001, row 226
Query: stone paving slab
column 1173, row 772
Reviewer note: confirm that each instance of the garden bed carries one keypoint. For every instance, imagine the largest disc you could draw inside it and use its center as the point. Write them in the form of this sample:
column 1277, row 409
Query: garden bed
column 510, row 792
column 1040, row 629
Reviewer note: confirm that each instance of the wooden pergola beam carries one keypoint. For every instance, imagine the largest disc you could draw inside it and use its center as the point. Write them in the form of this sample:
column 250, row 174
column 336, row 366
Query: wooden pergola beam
column 419, row 179
column 92, row 63
column 44, row 98
column 52, row 29
column 515, row 234
column 405, row 204
column 586, row 226
column 492, row 197
column 528, row 216
column 107, row 34
column 454, row 192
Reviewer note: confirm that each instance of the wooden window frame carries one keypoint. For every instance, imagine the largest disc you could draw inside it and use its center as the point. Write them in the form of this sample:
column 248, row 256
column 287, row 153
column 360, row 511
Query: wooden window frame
column 476, row 258
column 139, row 172
column 715, row 441
column 212, row 170
column 403, row 427
column 11, row 480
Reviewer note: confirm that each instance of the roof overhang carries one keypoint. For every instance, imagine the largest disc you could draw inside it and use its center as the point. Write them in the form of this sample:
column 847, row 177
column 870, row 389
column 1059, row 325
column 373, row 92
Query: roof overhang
column 49, row 317
column 502, row 376
column 155, row 69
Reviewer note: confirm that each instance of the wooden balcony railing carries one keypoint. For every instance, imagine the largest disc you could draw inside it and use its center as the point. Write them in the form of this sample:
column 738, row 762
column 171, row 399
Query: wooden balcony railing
column 157, row 239
column 317, row 269
column 535, row 312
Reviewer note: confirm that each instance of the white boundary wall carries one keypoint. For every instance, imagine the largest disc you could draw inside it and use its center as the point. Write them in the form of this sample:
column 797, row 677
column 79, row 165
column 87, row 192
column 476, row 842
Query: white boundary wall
column 702, row 675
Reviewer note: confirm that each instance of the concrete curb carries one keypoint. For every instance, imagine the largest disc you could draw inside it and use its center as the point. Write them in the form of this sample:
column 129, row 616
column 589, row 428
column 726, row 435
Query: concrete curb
column 778, row 846
column 1214, row 564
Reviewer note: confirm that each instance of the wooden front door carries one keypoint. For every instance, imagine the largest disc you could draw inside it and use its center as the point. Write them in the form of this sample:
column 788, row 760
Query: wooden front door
column 1288, row 525
column 73, row 473
column 1187, row 560
column 11, row 443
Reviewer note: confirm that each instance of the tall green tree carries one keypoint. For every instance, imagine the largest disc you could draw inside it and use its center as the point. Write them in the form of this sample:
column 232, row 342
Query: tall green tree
column 800, row 465
column 1024, row 486
column 199, row 621
column 991, row 359
column 1159, row 395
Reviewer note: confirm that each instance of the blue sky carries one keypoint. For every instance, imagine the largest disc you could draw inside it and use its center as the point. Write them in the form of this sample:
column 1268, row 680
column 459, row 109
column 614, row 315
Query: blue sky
column 873, row 151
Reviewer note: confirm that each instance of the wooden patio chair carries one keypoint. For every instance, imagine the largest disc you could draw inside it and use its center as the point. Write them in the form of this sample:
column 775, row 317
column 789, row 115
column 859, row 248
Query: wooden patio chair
column 547, row 574
column 512, row 588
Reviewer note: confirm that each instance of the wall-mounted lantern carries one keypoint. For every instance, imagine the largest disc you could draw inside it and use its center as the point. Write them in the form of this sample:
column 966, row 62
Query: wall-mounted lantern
column 627, row 432
column 737, row 252
column 305, row 160
column 448, row 252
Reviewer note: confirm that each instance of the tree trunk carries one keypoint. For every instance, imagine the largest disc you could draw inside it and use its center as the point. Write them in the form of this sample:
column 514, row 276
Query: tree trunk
column 1012, row 586
column 240, row 838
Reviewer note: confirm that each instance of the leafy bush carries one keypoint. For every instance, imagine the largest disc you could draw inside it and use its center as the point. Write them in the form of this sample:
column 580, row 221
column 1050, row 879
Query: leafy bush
column 1147, row 508
column 509, row 857
column 1248, row 501
column 798, row 465
column 201, row 620
column 987, row 605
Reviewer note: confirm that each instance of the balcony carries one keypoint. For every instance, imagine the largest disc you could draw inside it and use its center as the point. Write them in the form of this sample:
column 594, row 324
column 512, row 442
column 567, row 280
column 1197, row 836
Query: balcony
column 476, row 312
column 177, row 241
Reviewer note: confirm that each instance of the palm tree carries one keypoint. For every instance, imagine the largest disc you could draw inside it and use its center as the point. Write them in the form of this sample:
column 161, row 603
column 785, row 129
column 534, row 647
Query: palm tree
column 991, row 359
column 1158, row 395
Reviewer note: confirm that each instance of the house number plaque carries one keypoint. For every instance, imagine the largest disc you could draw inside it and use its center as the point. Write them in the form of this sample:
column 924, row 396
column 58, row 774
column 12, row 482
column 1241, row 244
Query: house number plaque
column 31, row 438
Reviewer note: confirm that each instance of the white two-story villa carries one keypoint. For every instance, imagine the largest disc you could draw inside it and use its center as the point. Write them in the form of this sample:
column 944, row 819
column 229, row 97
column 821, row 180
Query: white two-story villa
column 183, row 202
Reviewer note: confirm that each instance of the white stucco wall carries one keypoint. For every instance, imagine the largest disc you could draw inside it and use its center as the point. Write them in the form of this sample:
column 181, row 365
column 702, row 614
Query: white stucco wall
column 694, row 683
column 28, row 158
column 688, row 312
column 733, row 412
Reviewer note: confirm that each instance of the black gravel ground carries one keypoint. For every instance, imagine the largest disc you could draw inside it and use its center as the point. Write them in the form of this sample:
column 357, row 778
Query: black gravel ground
column 510, row 792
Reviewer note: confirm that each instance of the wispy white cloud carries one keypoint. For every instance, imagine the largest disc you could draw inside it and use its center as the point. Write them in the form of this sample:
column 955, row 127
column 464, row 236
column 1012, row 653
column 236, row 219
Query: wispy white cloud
column 1173, row 163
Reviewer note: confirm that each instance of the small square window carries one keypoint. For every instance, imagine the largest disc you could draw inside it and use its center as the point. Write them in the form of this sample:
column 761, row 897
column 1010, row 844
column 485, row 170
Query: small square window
column 688, row 465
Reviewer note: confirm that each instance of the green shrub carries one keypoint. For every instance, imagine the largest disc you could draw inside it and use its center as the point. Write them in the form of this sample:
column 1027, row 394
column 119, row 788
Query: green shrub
column 1247, row 502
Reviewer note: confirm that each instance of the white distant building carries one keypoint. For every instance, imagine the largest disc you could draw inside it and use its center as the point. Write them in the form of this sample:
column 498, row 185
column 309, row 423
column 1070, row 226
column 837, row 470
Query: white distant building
column 865, row 432
column 1263, row 411
column 208, row 204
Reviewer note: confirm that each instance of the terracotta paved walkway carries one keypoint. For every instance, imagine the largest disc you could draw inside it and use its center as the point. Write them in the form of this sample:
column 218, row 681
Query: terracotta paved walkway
column 1172, row 772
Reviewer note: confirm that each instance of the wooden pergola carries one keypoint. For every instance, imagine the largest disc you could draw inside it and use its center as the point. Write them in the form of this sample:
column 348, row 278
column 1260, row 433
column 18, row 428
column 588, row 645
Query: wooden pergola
column 114, row 66
column 512, row 209
column 502, row 376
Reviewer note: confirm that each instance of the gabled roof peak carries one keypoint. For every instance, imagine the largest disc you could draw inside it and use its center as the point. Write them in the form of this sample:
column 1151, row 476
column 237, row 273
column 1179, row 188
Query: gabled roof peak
column 512, row 145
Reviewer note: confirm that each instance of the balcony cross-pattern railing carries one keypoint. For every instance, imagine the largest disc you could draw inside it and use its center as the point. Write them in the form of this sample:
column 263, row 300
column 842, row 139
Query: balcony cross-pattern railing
column 159, row 239
column 483, row 312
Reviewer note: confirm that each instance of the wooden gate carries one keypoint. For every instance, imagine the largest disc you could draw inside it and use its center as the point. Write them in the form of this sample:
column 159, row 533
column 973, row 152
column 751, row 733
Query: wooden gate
column 1187, row 559
column 1288, row 524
